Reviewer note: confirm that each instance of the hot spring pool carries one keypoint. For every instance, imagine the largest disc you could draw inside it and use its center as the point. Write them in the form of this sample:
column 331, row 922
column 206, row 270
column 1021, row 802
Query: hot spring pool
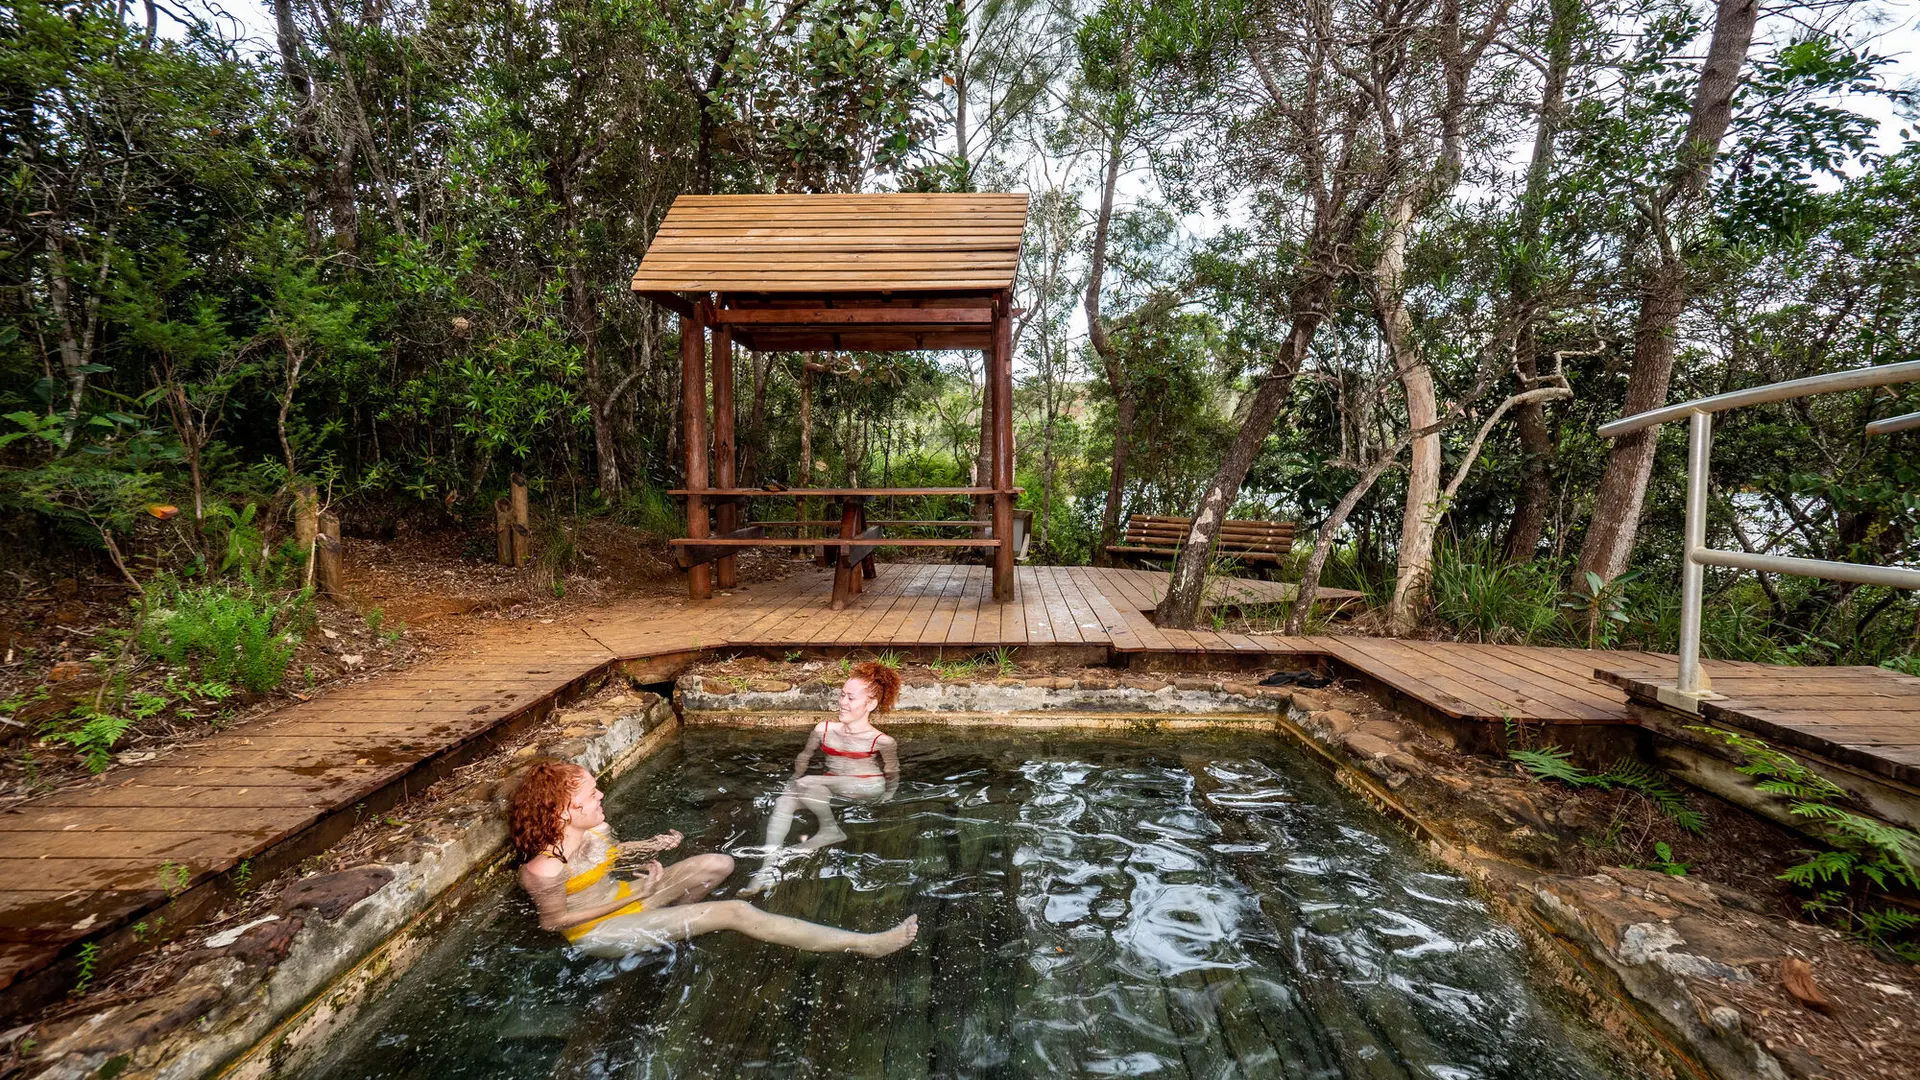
column 1204, row 905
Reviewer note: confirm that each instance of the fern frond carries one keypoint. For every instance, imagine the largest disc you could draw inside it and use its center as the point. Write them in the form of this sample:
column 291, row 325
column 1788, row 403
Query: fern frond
column 1552, row 763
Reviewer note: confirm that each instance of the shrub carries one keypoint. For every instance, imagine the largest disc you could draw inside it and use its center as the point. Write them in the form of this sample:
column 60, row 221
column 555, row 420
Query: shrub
column 1476, row 592
column 233, row 633
column 651, row 510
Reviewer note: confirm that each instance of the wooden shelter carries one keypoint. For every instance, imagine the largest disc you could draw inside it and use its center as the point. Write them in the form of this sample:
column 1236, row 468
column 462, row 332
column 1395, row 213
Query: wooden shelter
column 870, row 273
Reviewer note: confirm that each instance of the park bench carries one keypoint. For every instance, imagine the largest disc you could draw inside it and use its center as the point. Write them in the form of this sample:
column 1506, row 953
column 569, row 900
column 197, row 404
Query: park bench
column 1252, row 542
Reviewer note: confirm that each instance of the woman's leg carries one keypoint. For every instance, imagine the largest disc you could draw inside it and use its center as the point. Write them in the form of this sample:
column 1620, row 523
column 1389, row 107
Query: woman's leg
column 816, row 794
column 690, row 879
column 650, row 929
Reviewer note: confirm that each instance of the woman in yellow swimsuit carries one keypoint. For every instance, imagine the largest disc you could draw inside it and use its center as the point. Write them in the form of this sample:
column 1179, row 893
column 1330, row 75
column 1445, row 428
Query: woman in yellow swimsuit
column 570, row 854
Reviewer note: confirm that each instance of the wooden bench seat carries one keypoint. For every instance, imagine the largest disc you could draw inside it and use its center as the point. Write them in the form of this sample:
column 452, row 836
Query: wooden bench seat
column 1252, row 542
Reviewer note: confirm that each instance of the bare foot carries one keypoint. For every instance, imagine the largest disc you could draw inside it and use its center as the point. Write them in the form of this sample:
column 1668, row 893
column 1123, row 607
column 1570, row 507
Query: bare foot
column 826, row 837
column 891, row 941
column 761, row 881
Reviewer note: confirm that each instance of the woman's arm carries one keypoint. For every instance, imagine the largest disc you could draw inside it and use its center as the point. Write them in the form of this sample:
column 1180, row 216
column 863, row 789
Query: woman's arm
column 890, row 764
column 549, row 893
column 806, row 753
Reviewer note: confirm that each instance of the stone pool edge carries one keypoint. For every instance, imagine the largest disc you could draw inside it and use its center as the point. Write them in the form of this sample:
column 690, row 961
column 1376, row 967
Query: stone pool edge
column 230, row 1016
column 1639, row 982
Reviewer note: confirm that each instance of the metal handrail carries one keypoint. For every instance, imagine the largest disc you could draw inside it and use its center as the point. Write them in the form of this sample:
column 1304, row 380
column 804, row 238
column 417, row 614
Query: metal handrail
column 1855, row 379
column 1894, row 423
column 1699, row 415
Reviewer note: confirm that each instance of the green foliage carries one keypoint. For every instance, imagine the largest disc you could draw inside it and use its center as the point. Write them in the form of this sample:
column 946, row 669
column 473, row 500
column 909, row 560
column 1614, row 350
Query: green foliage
column 955, row 669
column 1553, row 763
column 1666, row 863
column 1002, row 660
column 86, row 963
column 1477, row 592
column 174, row 878
column 230, row 633
column 1868, row 856
column 651, row 510
column 94, row 736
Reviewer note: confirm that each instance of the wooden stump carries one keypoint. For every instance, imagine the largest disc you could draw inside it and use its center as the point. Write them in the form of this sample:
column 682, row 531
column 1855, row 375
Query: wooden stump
column 327, row 570
column 521, row 536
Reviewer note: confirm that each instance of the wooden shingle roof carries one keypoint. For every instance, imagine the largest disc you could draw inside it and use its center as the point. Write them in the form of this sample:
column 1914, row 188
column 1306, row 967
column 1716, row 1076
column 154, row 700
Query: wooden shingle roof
column 815, row 244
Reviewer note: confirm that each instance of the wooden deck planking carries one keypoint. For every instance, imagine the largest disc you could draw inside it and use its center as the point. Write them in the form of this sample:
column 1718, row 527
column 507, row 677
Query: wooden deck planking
column 1868, row 718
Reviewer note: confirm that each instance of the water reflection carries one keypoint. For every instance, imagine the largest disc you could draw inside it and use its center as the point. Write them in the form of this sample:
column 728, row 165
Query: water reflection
column 1202, row 906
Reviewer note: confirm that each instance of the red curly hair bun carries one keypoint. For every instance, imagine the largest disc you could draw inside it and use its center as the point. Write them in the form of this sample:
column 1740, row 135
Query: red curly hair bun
column 538, row 815
column 884, row 680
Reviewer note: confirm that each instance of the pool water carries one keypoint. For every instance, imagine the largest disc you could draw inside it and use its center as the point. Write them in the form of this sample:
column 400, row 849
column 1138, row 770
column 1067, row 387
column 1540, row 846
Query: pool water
column 1194, row 905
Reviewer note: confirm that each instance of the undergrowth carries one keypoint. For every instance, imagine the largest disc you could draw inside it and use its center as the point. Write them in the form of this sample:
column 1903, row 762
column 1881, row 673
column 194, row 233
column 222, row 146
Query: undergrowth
column 1553, row 763
column 1869, row 879
column 242, row 633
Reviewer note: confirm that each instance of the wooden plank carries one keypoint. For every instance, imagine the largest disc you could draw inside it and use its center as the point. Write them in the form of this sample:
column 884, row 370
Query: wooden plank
column 1013, row 613
column 1540, row 696
column 1032, row 601
column 1343, row 649
column 1066, row 623
column 1489, row 699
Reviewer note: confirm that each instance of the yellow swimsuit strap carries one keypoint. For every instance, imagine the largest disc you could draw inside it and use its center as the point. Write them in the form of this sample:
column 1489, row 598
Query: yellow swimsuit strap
column 588, row 877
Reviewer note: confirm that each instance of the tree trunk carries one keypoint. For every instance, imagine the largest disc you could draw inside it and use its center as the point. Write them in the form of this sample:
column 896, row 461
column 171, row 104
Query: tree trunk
column 1180, row 608
column 1125, row 409
column 1420, row 516
column 1623, row 490
column 1536, row 445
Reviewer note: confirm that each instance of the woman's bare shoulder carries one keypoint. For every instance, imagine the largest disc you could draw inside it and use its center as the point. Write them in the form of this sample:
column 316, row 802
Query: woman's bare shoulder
column 542, row 870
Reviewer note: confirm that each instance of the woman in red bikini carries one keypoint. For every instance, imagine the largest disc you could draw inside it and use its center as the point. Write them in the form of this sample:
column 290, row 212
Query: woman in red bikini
column 862, row 765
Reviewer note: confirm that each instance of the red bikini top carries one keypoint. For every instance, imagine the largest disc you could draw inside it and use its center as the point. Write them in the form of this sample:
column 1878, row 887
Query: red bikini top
column 867, row 753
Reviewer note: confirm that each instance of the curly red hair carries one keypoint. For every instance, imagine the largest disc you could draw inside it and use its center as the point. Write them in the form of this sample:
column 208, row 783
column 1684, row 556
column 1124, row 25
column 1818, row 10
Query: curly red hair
column 884, row 680
column 538, row 815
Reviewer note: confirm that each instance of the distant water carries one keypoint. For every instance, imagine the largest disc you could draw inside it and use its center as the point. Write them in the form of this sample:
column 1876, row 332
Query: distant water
column 1191, row 905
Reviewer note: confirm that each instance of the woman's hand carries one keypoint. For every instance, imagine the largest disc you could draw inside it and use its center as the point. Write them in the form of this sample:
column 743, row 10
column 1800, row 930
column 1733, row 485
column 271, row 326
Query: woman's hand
column 652, row 845
column 646, row 880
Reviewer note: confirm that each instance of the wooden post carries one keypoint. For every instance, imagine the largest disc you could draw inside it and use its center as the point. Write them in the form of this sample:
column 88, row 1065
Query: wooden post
column 724, row 452
column 328, row 576
column 693, row 422
column 1003, row 447
column 983, row 462
column 521, row 535
column 844, row 575
column 503, row 531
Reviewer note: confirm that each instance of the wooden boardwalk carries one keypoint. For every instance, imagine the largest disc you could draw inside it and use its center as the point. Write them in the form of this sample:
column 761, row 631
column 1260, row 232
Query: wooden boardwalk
column 83, row 863
column 1865, row 717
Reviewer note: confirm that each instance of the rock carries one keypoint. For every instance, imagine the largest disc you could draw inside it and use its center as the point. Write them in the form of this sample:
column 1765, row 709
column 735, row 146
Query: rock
column 1367, row 746
column 66, row 670
column 1203, row 685
column 1335, row 722
column 1100, row 682
column 1239, row 689
column 771, row 686
column 266, row 944
column 1516, row 806
column 1387, row 730
column 715, row 687
column 1309, row 699
column 69, row 613
column 118, row 1030
column 1055, row 683
column 331, row 895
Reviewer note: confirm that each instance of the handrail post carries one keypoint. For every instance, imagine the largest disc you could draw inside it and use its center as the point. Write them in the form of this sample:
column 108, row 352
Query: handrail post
column 1692, row 574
